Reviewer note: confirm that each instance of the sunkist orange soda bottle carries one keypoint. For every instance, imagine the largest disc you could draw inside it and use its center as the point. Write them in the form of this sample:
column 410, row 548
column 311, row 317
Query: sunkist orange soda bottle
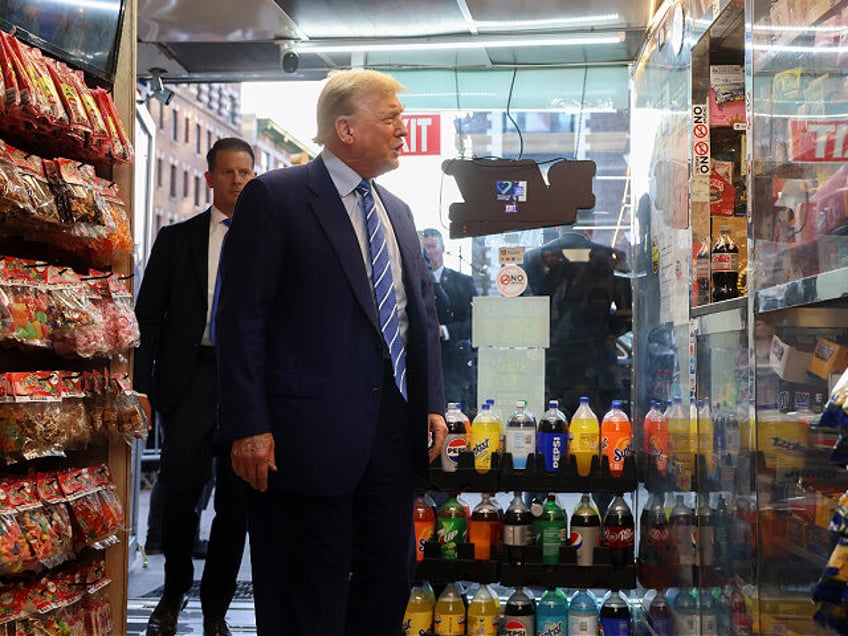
column 616, row 438
column 655, row 438
column 424, row 517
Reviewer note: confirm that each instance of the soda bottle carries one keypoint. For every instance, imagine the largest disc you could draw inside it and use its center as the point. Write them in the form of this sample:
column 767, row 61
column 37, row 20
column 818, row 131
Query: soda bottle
column 520, row 614
column 583, row 614
column 552, row 439
column 682, row 445
column 418, row 617
column 706, row 440
column 616, row 438
column 585, row 433
column 681, row 523
column 449, row 617
column 722, row 537
column 732, row 437
column 660, row 618
column 618, row 531
column 497, row 415
column 483, row 613
column 615, row 616
column 654, row 544
column 551, row 528
column 485, row 437
column 705, row 533
column 521, row 435
column 552, row 613
column 457, row 437
column 724, row 266
column 709, row 613
column 585, row 530
column 424, row 516
column 452, row 527
column 686, row 617
column 655, row 438
column 701, row 288
column 517, row 530
column 484, row 528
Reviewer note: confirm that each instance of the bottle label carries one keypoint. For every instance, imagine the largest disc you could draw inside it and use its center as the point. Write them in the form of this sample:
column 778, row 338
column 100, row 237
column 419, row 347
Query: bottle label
column 520, row 444
column 657, row 449
column 615, row 626
column 585, row 541
column 549, row 627
column 725, row 262
column 482, row 624
column 582, row 625
column 519, row 626
column 658, row 536
column 417, row 621
column 553, row 447
column 517, row 534
column 618, row 536
column 449, row 624
column 452, row 532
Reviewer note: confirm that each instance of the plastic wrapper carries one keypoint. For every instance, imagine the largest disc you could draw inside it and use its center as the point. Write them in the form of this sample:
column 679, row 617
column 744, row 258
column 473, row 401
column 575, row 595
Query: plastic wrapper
column 132, row 420
column 99, row 140
column 68, row 309
column 37, row 398
column 57, row 511
column 16, row 75
column 13, row 192
column 121, row 322
column 51, row 106
column 15, row 554
column 39, row 531
column 93, row 526
column 121, row 147
column 115, row 219
column 73, row 417
column 97, row 613
column 112, row 510
column 78, row 124
column 42, row 207
column 12, row 606
column 11, row 94
column 75, row 189
column 93, row 339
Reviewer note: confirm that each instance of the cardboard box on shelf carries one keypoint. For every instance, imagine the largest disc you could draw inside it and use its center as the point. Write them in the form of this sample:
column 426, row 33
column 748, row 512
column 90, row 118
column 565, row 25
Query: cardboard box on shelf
column 788, row 362
column 795, row 396
column 828, row 356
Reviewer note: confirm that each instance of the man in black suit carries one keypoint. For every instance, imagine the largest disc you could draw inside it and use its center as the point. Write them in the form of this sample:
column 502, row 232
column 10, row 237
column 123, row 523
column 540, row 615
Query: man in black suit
column 458, row 359
column 329, row 371
column 175, row 365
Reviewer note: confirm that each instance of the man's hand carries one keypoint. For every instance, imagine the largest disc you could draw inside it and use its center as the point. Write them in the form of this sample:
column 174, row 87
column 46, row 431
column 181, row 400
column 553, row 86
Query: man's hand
column 253, row 457
column 438, row 430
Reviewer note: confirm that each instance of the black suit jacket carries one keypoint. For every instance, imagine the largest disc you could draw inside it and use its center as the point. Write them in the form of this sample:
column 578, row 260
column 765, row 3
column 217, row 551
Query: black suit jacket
column 171, row 310
column 460, row 290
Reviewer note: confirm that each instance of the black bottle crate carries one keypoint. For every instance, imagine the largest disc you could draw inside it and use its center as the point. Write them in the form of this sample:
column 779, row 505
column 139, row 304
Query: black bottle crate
column 436, row 569
column 465, row 478
column 535, row 478
column 601, row 574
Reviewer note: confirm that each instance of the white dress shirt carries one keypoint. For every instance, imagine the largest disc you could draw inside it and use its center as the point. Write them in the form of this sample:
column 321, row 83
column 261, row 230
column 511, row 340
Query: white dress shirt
column 346, row 179
column 217, row 232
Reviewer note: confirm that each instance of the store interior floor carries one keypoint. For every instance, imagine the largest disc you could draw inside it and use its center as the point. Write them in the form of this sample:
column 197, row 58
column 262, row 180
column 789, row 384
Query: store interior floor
column 145, row 583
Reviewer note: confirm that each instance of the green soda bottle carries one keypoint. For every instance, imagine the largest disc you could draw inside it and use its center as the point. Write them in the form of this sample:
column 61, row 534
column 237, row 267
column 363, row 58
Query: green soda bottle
column 551, row 528
column 452, row 526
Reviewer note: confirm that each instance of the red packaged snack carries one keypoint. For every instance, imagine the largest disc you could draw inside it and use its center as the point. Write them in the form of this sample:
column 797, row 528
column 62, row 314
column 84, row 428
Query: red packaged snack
column 113, row 512
column 121, row 321
column 15, row 555
column 50, row 494
column 12, row 97
column 53, row 109
column 35, row 523
column 74, row 187
column 68, row 308
column 81, row 490
column 23, row 293
column 121, row 148
column 38, row 395
column 42, row 206
column 78, row 124
column 14, row 197
column 74, row 418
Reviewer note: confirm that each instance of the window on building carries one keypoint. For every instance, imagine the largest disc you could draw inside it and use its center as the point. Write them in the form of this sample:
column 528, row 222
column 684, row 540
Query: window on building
column 172, row 192
column 233, row 114
column 161, row 116
column 186, row 128
column 197, row 186
column 208, row 140
column 174, row 125
column 197, row 140
column 159, row 174
column 186, row 191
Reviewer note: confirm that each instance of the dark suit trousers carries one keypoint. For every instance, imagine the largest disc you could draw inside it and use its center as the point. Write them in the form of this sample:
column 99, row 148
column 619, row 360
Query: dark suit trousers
column 186, row 466
column 339, row 565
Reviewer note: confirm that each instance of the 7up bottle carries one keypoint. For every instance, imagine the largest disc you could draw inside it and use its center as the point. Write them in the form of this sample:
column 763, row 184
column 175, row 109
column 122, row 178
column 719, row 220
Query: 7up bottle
column 452, row 527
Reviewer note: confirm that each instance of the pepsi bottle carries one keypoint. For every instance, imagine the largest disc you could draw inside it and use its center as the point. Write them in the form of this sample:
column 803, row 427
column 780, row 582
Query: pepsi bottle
column 520, row 614
column 585, row 530
column 615, row 616
column 552, row 438
column 456, row 440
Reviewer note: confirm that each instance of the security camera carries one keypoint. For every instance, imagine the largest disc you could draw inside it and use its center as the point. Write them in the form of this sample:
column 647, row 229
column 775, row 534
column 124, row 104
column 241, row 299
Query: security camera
column 291, row 60
column 157, row 88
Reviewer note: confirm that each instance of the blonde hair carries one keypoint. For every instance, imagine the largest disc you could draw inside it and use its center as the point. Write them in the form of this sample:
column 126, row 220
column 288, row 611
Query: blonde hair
column 341, row 93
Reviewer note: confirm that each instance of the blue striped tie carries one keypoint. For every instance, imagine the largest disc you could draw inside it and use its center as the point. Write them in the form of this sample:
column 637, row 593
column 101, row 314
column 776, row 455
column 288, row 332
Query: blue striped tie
column 384, row 288
column 226, row 222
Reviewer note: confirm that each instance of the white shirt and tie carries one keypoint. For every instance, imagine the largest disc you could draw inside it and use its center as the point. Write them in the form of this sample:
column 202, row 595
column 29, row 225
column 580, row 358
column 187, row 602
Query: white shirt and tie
column 217, row 231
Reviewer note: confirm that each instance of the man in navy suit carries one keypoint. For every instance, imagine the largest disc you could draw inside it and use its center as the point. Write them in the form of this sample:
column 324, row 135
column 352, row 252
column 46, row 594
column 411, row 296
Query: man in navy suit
column 175, row 366
column 308, row 389
column 458, row 359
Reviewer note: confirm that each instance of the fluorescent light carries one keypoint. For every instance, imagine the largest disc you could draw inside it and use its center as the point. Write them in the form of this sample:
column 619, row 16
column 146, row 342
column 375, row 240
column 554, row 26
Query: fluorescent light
column 549, row 23
column 451, row 44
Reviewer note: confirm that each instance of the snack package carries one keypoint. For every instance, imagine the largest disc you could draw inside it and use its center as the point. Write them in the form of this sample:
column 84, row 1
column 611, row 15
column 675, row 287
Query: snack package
column 53, row 110
column 11, row 97
column 116, row 221
column 38, row 395
column 93, row 339
column 15, row 554
column 122, row 150
column 33, row 519
column 121, row 322
column 132, row 419
column 16, row 75
column 99, row 140
column 73, row 417
column 73, row 185
column 42, row 207
column 94, row 527
column 14, row 198
column 57, row 511
column 23, row 293
column 78, row 124
column 113, row 511
column 68, row 308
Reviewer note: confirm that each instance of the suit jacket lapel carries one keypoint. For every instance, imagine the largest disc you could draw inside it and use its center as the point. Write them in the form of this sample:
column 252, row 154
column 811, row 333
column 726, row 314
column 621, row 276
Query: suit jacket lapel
column 199, row 251
column 331, row 214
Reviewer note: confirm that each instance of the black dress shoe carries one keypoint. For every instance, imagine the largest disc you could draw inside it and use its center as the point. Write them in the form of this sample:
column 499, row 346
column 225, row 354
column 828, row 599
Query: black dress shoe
column 216, row 627
column 163, row 620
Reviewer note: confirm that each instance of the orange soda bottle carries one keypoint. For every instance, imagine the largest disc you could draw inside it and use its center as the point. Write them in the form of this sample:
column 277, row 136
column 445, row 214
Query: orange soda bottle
column 655, row 437
column 616, row 438
column 484, row 528
column 424, row 517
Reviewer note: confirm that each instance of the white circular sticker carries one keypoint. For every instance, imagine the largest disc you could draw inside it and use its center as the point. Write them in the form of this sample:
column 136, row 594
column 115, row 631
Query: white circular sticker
column 511, row 281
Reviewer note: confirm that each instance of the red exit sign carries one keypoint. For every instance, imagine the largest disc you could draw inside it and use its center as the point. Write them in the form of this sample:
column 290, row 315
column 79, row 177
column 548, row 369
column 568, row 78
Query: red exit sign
column 819, row 140
column 425, row 135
